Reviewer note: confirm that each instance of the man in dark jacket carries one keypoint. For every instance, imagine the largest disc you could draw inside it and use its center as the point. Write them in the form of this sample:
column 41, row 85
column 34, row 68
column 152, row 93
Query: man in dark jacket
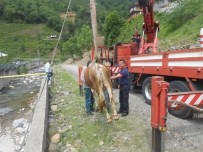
column 124, row 87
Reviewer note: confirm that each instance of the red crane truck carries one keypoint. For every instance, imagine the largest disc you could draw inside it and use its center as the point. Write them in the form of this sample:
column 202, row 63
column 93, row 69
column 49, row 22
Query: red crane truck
column 183, row 69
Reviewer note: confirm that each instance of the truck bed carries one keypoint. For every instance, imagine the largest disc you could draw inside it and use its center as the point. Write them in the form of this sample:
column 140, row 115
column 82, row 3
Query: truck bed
column 179, row 63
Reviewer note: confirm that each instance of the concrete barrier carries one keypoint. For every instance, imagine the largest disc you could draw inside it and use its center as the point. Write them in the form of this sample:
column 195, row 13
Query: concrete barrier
column 36, row 140
column 34, row 64
column 13, row 71
column 4, row 82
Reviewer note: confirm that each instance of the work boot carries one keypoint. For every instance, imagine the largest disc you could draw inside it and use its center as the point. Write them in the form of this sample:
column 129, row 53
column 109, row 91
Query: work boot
column 124, row 114
column 90, row 113
column 119, row 111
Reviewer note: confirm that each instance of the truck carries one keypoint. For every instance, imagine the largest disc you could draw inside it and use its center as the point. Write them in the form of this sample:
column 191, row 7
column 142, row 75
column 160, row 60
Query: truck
column 183, row 69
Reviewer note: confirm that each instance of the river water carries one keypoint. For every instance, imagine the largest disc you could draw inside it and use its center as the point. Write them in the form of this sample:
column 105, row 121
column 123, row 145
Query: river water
column 17, row 102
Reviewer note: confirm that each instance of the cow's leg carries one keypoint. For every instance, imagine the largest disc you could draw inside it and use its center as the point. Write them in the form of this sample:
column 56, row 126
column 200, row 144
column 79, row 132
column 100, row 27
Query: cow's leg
column 96, row 99
column 113, row 107
column 108, row 117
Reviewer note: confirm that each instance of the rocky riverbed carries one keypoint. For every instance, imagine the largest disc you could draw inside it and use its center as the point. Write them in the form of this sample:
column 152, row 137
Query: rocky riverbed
column 17, row 101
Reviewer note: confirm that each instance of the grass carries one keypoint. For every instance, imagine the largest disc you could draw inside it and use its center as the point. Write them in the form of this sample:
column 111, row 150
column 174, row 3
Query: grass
column 91, row 133
column 23, row 40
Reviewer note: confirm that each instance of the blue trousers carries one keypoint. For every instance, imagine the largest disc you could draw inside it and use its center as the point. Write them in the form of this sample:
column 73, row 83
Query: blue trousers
column 124, row 98
column 89, row 100
column 49, row 75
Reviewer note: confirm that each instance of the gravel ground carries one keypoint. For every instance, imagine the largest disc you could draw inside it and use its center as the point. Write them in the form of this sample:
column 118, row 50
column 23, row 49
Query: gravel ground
column 182, row 135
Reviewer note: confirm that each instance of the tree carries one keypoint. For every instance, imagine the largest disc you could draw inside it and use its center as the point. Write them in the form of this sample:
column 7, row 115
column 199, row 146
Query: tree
column 113, row 23
column 54, row 22
column 80, row 43
column 84, row 38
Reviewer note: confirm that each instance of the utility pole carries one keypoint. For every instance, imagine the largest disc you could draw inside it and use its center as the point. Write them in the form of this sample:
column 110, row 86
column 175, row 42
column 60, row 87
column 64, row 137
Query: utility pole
column 94, row 26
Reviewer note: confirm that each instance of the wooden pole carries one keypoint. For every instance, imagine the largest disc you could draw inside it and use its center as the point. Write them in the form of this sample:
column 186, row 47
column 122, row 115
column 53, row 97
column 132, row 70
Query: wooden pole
column 94, row 26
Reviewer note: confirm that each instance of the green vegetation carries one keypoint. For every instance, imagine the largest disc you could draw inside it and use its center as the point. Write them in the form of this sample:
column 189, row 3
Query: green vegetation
column 79, row 43
column 182, row 26
column 90, row 133
column 113, row 24
column 179, row 27
column 22, row 70
column 24, row 11
column 25, row 40
column 26, row 25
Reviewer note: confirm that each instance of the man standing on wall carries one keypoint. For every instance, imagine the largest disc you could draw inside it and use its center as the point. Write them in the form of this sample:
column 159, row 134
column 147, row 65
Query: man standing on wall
column 124, row 86
column 47, row 69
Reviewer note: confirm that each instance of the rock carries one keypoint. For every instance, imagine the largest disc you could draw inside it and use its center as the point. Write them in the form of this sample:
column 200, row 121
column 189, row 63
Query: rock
column 17, row 147
column 53, row 147
column 11, row 86
column 55, row 139
column 19, row 122
column 63, row 129
column 101, row 143
column 70, row 127
column 4, row 111
column 70, row 148
column 54, row 107
column 63, row 148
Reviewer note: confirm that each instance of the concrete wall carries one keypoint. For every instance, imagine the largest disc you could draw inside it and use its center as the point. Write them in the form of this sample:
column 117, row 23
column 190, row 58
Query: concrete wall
column 5, row 81
column 28, row 66
column 33, row 65
column 36, row 140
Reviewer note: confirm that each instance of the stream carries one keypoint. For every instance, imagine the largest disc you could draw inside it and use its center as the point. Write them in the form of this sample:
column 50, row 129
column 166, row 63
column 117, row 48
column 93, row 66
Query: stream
column 17, row 102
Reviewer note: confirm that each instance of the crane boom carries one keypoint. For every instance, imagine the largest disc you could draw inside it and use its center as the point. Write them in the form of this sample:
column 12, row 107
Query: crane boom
column 149, row 25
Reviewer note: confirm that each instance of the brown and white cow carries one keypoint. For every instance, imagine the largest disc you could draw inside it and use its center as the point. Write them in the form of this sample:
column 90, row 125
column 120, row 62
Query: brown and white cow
column 98, row 78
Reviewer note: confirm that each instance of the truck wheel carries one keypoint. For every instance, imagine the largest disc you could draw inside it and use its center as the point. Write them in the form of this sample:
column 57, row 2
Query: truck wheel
column 147, row 90
column 180, row 86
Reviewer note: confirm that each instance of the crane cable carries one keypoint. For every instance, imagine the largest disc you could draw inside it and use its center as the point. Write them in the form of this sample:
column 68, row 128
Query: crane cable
column 55, row 49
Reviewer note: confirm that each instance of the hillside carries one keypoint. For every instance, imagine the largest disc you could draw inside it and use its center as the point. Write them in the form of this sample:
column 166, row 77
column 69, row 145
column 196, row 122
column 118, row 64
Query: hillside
column 25, row 24
column 25, row 40
column 177, row 28
column 25, row 35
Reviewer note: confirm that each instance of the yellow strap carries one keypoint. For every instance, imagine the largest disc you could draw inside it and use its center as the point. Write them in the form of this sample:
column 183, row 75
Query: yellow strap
column 24, row 75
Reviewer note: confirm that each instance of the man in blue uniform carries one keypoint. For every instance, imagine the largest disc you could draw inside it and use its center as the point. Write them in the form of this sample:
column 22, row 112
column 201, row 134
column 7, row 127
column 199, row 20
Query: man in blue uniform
column 124, row 87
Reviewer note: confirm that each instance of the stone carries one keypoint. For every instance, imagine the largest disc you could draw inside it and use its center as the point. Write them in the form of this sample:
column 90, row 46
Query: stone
column 101, row 143
column 4, row 111
column 53, row 147
column 55, row 139
column 17, row 147
column 19, row 122
column 54, row 107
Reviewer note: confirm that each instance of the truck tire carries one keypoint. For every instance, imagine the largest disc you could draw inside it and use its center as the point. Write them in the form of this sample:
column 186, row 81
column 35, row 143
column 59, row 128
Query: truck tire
column 180, row 86
column 147, row 90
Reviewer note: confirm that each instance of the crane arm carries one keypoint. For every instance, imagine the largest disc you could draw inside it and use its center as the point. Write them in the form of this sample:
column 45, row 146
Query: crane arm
column 149, row 26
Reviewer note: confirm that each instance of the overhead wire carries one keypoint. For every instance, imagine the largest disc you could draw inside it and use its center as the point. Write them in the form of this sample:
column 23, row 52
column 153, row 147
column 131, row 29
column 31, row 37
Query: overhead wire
column 55, row 49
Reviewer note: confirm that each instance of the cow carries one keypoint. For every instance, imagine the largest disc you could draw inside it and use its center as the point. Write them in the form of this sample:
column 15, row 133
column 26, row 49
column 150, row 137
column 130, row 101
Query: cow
column 98, row 78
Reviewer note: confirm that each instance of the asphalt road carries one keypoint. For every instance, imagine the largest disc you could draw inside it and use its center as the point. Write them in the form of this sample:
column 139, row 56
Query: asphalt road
column 182, row 135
